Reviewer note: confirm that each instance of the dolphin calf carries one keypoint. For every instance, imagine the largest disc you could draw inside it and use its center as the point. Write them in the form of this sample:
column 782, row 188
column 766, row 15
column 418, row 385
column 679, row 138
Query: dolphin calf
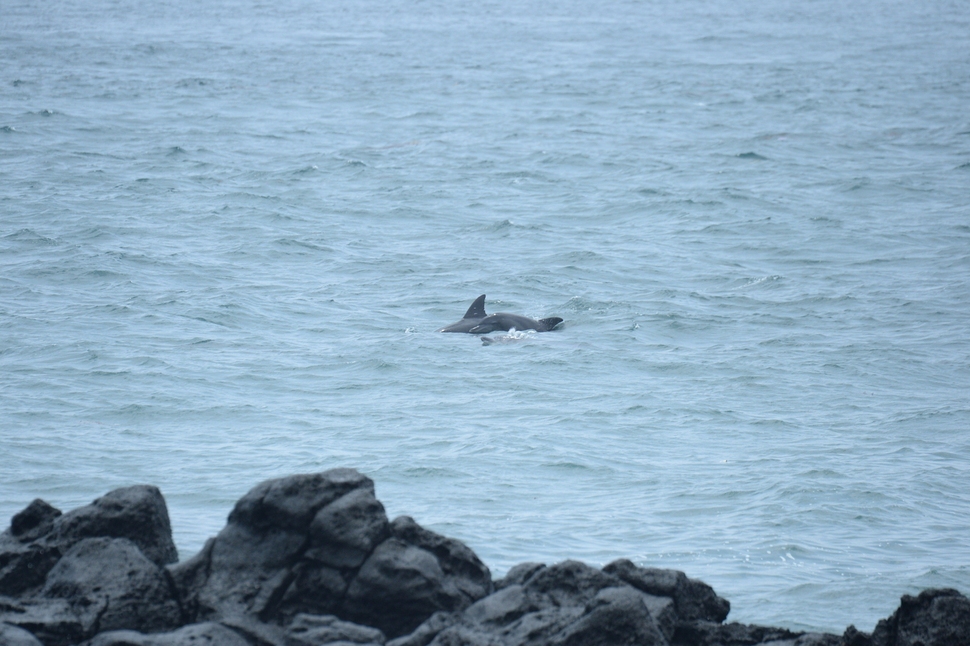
column 476, row 321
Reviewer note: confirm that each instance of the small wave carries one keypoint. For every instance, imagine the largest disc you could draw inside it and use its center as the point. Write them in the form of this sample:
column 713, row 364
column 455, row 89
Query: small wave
column 751, row 282
column 29, row 235
column 290, row 242
column 566, row 465
column 7, row 129
column 751, row 155
column 193, row 82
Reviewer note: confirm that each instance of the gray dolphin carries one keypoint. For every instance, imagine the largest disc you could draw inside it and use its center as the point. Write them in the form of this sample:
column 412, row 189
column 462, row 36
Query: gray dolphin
column 476, row 321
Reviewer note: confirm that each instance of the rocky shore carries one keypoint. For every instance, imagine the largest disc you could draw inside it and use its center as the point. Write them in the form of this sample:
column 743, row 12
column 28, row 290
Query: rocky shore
column 311, row 560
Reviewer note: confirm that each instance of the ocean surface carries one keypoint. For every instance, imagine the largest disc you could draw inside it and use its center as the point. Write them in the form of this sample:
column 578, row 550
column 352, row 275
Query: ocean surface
column 230, row 229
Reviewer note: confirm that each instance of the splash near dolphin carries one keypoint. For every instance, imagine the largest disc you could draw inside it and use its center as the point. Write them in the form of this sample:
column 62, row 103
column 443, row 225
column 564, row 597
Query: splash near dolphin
column 476, row 321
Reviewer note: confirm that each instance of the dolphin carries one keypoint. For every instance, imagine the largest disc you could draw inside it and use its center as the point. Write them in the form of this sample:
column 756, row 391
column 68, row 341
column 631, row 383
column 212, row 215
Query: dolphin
column 476, row 321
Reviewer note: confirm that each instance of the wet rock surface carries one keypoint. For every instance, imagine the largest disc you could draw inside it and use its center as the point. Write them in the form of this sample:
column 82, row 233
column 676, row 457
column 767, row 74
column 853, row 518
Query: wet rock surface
column 312, row 559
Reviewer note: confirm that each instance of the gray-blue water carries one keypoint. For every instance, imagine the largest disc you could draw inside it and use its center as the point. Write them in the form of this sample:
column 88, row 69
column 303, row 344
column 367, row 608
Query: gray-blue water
column 229, row 231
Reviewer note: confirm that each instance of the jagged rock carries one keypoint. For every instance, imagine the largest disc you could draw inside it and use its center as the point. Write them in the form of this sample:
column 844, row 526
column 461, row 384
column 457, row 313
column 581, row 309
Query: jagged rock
column 342, row 535
column 203, row 634
column 567, row 604
column 36, row 520
column 398, row 587
column 99, row 584
column 24, row 567
column 248, row 567
column 137, row 513
column 614, row 617
column 937, row 617
column 110, row 585
column 855, row 637
column 346, row 531
column 316, row 630
column 519, row 574
column 14, row 636
column 459, row 563
column 24, row 562
column 693, row 599
column 321, row 544
column 708, row 633
column 39, row 535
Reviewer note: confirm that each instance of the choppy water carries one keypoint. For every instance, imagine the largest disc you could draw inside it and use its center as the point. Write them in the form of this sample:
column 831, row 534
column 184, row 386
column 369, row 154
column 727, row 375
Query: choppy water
column 228, row 231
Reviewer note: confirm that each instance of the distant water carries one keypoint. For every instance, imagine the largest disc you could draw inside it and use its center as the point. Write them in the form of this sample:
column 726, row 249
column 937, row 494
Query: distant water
column 229, row 231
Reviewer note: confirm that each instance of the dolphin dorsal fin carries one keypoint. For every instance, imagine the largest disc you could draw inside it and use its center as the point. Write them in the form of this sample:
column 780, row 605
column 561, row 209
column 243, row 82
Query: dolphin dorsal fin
column 477, row 310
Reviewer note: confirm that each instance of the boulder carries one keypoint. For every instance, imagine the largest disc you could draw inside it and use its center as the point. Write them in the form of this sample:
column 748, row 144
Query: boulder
column 39, row 535
column 23, row 567
column 24, row 562
column 460, row 564
column 569, row 603
column 398, row 587
column 137, row 513
column 321, row 544
column 250, row 565
column 693, row 599
column 36, row 520
column 99, row 584
column 109, row 584
column 936, row 617
column 616, row 616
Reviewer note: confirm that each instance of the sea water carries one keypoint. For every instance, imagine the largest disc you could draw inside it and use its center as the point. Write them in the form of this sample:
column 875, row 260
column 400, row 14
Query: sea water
column 230, row 229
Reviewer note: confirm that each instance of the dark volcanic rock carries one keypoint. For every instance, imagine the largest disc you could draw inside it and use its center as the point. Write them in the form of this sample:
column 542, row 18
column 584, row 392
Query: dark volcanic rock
column 938, row 617
column 39, row 535
column 519, row 574
column 250, row 565
column 702, row 633
column 460, row 564
column 693, row 599
column 99, row 584
column 24, row 561
column 36, row 520
column 615, row 616
column 569, row 603
column 346, row 531
column 137, row 513
column 398, row 587
column 110, row 584
column 24, row 567
column 321, row 544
